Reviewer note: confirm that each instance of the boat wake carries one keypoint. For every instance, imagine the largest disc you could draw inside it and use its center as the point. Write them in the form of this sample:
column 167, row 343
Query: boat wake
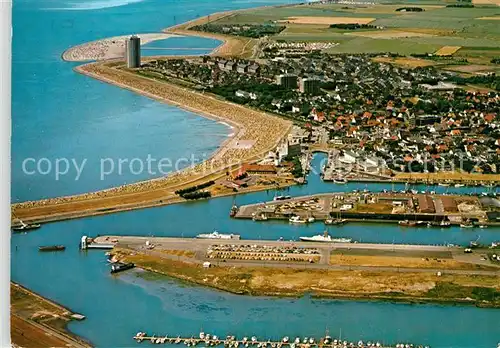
column 95, row 5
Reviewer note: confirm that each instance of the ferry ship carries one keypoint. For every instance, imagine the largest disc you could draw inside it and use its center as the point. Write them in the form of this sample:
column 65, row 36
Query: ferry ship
column 325, row 238
column 52, row 248
column 217, row 235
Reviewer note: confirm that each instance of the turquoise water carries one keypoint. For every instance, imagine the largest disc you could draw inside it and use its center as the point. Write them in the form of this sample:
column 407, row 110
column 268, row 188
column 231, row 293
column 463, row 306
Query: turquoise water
column 57, row 113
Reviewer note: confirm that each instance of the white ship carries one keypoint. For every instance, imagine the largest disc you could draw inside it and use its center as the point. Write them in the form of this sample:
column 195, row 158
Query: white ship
column 325, row 238
column 217, row 235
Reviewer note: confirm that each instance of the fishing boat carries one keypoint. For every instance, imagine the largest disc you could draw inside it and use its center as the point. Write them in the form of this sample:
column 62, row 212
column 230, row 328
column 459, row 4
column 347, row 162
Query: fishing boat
column 25, row 227
column 52, row 248
column 217, row 235
column 407, row 223
column 325, row 238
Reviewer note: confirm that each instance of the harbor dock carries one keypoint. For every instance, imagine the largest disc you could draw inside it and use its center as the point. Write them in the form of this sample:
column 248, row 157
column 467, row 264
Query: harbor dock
column 422, row 208
column 310, row 255
column 286, row 342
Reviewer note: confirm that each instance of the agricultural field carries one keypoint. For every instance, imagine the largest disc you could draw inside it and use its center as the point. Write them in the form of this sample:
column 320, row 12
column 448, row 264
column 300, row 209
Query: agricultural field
column 435, row 30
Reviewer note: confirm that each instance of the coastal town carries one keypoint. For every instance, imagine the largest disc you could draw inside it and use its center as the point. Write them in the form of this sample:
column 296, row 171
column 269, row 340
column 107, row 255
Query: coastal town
column 384, row 118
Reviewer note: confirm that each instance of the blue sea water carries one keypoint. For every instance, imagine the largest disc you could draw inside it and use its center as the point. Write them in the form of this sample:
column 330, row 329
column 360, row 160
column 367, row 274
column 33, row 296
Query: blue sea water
column 58, row 113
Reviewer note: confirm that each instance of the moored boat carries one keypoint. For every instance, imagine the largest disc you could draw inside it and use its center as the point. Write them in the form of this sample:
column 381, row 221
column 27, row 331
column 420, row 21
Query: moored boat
column 297, row 220
column 335, row 221
column 340, row 180
column 233, row 211
column 407, row 223
column 281, row 198
column 25, row 227
column 52, row 248
column 120, row 267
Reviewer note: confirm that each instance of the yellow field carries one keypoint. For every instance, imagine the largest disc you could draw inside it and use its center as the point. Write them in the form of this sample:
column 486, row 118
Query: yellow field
column 328, row 20
column 447, row 50
column 405, row 61
column 486, row 2
column 389, row 34
column 496, row 18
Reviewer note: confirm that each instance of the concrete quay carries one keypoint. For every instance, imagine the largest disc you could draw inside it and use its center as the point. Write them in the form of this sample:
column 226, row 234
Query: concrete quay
column 418, row 208
column 195, row 250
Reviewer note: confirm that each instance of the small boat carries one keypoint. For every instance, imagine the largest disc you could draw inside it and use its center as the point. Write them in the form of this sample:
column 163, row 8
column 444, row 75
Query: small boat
column 441, row 224
column 335, row 221
column 297, row 220
column 340, row 180
column 311, row 219
column 483, row 226
column 233, row 211
column 25, row 227
column 217, row 235
column 459, row 185
column 442, row 184
column 52, row 248
column 120, row 267
column 407, row 223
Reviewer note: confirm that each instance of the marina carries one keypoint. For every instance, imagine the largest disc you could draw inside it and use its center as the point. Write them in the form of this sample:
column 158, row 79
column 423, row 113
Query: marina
column 285, row 342
column 408, row 209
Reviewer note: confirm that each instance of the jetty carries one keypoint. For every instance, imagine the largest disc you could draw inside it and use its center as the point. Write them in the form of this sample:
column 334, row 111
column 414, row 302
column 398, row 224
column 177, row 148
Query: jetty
column 285, row 342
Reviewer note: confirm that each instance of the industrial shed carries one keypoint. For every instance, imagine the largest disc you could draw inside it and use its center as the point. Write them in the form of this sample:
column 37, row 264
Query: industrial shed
column 449, row 204
column 426, row 204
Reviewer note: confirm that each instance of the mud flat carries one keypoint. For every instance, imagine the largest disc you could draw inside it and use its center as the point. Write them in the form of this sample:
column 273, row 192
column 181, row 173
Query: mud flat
column 108, row 48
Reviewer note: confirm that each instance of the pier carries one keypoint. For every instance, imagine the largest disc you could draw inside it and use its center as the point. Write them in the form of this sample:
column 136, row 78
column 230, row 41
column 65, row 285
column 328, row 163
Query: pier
column 285, row 342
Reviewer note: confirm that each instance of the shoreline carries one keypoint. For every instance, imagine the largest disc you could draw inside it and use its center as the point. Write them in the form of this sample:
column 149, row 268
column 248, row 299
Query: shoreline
column 247, row 124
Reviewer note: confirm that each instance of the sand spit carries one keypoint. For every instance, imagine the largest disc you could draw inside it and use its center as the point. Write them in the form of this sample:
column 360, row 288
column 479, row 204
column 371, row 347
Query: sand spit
column 109, row 48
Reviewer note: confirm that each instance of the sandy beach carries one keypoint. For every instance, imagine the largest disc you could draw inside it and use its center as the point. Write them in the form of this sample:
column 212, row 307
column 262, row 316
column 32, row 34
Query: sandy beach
column 108, row 48
column 263, row 131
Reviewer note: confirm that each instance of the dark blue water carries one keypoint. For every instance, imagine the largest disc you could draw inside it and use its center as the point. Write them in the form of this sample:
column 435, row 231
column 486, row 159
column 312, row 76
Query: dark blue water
column 57, row 113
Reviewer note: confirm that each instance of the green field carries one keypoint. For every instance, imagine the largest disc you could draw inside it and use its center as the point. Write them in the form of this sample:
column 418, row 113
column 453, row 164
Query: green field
column 429, row 30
